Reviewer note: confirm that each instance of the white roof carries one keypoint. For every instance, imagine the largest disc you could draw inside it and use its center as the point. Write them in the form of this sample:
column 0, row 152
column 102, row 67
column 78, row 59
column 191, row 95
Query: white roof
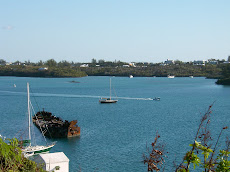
column 54, row 157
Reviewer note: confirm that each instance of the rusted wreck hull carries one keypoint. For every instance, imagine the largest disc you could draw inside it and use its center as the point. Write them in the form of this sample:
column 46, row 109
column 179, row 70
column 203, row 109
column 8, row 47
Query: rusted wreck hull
column 55, row 127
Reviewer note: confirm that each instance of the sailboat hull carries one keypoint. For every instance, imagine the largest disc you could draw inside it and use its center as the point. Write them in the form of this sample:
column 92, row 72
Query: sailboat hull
column 31, row 150
column 107, row 101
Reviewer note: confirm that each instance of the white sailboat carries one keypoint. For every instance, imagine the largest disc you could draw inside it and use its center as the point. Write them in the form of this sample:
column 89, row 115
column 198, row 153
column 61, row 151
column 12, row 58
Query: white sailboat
column 108, row 100
column 29, row 149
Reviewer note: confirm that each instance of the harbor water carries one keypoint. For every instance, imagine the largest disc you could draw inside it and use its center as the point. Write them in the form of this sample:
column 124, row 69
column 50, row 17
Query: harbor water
column 114, row 136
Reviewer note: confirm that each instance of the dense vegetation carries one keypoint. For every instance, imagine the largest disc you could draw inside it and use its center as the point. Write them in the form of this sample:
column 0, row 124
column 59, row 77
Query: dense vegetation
column 102, row 68
column 53, row 69
column 225, row 75
column 182, row 70
column 33, row 71
column 116, row 68
column 11, row 158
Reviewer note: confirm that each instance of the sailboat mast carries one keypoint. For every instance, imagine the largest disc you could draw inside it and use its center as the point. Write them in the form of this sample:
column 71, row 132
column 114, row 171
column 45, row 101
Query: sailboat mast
column 110, row 88
column 28, row 95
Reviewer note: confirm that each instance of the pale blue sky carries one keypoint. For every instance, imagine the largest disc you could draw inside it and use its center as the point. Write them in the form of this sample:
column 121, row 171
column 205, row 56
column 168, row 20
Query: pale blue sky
column 126, row 30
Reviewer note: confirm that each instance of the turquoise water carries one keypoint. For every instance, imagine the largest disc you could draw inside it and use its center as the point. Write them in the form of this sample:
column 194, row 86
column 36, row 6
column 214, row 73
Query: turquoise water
column 114, row 136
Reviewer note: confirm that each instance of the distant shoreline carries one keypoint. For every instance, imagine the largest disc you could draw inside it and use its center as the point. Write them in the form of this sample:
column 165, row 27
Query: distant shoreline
column 102, row 76
column 178, row 70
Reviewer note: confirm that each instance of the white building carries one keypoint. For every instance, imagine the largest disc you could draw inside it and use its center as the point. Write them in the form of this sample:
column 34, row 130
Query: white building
column 213, row 62
column 43, row 69
column 53, row 161
column 132, row 64
column 84, row 65
column 199, row 62
column 168, row 62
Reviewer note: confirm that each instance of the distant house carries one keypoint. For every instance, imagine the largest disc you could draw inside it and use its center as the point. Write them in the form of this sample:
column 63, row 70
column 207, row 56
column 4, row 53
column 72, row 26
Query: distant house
column 213, row 62
column 132, row 64
column 16, row 63
column 199, row 62
column 84, row 65
column 53, row 161
column 8, row 63
column 43, row 69
column 168, row 62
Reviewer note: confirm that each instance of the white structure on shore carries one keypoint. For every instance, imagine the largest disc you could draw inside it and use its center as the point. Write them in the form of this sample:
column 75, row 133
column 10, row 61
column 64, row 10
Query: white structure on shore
column 53, row 161
column 200, row 62
column 169, row 62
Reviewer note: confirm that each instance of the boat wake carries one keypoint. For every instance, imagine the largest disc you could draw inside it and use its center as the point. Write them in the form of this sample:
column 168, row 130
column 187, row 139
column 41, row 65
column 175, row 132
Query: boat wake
column 134, row 98
column 73, row 96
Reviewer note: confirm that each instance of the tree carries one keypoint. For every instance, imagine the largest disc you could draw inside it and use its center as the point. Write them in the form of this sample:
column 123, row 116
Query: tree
column 40, row 63
column 51, row 63
column 27, row 62
column 94, row 61
column 64, row 63
column 178, row 62
column 225, row 79
column 101, row 61
column 2, row 62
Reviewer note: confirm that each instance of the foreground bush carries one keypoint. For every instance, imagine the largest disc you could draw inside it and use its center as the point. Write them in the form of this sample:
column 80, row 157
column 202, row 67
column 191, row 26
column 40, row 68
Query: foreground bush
column 12, row 160
column 203, row 153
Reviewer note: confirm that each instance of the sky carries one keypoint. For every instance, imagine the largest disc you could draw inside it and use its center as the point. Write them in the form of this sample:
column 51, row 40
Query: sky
column 125, row 30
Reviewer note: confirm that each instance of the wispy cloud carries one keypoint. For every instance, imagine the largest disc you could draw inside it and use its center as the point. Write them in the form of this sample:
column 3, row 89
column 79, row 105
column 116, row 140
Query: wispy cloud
column 8, row 27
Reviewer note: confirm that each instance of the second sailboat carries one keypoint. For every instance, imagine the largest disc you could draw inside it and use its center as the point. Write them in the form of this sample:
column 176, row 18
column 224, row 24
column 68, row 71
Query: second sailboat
column 108, row 100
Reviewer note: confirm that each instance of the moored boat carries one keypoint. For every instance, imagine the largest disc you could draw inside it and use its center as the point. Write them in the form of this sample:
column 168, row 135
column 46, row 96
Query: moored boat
column 108, row 100
column 171, row 76
column 26, row 146
column 130, row 76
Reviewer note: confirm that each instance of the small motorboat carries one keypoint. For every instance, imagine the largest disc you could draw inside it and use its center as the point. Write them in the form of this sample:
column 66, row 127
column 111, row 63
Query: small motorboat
column 157, row 98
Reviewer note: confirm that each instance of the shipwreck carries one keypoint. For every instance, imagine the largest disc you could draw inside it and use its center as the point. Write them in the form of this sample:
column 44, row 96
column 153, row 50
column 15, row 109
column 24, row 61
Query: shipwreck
column 54, row 127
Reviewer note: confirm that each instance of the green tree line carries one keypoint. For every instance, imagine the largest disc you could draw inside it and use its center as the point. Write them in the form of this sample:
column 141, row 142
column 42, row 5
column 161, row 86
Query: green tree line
column 109, row 68
column 225, row 75
column 183, row 70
